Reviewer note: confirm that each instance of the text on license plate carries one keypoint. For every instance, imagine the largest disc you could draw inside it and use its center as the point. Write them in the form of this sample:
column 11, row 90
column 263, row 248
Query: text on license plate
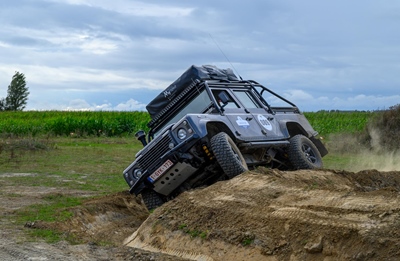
column 161, row 170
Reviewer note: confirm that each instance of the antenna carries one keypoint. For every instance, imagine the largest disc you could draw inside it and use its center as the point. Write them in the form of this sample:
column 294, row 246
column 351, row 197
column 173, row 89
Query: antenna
column 225, row 55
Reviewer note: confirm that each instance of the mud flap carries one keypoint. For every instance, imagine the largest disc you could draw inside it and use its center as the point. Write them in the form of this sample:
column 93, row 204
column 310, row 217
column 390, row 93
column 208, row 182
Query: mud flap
column 320, row 146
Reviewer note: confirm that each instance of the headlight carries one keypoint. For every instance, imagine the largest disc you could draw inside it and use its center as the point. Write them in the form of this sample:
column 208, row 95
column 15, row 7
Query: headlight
column 182, row 133
column 137, row 173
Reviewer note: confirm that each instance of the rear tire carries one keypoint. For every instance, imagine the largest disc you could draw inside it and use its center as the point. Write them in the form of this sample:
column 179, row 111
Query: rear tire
column 151, row 199
column 228, row 155
column 303, row 154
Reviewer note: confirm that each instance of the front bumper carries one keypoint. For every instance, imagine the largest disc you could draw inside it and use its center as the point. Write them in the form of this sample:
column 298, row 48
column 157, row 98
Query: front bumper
column 152, row 159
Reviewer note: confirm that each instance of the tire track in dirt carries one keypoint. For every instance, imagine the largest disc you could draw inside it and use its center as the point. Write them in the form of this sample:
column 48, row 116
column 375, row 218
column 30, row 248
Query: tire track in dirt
column 276, row 215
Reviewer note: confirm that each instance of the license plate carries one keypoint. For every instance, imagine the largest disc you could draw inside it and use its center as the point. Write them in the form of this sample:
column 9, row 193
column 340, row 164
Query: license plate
column 161, row 170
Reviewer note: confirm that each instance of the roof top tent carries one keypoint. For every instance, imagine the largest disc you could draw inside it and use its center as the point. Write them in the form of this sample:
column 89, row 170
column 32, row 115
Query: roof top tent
column 204, row 72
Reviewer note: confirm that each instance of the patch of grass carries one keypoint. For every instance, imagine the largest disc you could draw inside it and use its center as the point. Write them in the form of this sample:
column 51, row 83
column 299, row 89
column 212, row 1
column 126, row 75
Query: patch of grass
column 193, row 232
column 103, row 243
column 203, row 235
column 55, row 210
column 50, row 236
column 182, row 226
column 14, row 195
column 197, row 233
column 247, row 241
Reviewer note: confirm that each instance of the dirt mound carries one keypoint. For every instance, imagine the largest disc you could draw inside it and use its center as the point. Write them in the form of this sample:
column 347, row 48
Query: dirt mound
column 260, row 215
column 275, row 215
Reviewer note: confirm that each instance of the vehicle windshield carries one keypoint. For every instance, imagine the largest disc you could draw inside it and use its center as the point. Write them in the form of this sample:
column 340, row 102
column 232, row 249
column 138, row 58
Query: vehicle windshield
column 197, row 105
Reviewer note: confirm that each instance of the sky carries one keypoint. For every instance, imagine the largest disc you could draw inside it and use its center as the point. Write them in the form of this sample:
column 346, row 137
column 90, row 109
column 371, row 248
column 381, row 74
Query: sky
column 119, row 54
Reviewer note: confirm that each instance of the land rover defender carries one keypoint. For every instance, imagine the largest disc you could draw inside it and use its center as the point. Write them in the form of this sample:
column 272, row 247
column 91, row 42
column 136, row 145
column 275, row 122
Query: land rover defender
column 210, row 125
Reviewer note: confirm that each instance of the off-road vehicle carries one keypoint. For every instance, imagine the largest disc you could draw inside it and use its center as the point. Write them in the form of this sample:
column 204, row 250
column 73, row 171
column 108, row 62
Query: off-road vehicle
column 210, row 125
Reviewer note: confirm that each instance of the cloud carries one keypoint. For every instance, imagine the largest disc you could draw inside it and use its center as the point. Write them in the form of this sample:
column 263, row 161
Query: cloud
column 341, row 53
column 130, row 105
column 308, row 102
column 136, row 8
column 83, row 105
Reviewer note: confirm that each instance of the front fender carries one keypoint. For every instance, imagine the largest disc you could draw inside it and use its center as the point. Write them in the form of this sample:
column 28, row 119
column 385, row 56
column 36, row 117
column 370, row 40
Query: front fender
column 201, row 123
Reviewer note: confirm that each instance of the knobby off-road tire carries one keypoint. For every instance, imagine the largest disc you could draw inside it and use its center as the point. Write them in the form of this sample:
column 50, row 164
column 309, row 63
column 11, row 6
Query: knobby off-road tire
column 303, row 154
column 228, row 155
column 151, row 199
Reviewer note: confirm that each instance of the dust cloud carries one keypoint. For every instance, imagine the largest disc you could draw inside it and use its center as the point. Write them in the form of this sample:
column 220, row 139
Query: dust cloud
column 365, row 154
column 382, row 161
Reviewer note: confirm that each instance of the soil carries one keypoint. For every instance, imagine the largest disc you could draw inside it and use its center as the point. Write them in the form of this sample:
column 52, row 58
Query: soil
column 260, row 215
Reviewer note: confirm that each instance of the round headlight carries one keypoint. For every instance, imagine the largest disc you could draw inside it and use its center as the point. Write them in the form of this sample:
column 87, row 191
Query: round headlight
column 137, row 173
column 182, row 134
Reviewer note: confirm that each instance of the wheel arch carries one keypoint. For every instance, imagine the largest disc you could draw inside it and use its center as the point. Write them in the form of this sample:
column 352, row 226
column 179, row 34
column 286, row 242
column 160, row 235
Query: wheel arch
column 209, row 127
column 294, row 128
column 214, row 127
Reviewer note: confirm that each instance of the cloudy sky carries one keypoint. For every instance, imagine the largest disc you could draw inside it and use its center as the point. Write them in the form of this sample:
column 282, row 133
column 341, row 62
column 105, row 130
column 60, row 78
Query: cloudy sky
column 119, row 54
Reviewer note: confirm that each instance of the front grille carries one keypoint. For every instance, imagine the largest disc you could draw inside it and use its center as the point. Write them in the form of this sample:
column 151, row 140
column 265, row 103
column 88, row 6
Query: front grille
column 155, row 149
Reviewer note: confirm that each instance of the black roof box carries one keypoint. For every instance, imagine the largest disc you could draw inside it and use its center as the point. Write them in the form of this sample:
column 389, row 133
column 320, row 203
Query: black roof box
column 204, row 72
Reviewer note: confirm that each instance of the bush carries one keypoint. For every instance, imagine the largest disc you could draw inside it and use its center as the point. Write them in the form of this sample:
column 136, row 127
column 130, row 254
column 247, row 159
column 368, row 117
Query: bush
column 383, row 130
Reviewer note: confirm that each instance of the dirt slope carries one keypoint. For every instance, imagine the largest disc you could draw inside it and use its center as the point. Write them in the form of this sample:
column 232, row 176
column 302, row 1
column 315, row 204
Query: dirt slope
column 274, row 215
column 260, row 215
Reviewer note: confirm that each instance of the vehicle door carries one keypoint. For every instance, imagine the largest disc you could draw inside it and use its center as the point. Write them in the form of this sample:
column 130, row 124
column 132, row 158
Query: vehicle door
column 242, row 120
column 270, row 127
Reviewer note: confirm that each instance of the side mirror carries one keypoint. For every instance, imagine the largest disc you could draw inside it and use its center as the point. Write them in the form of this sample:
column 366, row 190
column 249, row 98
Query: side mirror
column 224, row 98
column 141, row 135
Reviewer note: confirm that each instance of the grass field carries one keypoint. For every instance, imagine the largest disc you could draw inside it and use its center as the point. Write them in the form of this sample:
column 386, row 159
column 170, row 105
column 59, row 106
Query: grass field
column 71, row 169
column 332, row 122
column 75, row 142
column 88, row 151
column 92, row 163
column 71, row 123
column 110, row 124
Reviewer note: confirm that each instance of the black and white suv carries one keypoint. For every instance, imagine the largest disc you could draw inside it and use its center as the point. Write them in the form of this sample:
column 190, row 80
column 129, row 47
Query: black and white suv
column 210, row 125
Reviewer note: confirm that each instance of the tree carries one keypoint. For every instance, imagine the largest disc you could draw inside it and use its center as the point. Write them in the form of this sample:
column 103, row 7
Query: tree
column 2, row 104
column 17, row 94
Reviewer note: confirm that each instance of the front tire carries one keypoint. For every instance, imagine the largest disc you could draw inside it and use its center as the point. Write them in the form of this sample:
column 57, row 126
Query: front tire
column 228, row 155
column 303, row 154
column 151, row 199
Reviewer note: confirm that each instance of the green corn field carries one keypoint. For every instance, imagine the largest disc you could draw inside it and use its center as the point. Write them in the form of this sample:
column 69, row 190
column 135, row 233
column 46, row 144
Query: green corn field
column 72, row 123
column 113, row 123
column 332, row 122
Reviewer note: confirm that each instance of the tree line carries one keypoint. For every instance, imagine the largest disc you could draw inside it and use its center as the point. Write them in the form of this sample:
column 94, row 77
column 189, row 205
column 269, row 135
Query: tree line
column 17, row 94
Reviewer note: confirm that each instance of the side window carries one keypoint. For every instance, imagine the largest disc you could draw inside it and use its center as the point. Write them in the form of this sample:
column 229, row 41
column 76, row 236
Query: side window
column 231, row 102
column 247, row 99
